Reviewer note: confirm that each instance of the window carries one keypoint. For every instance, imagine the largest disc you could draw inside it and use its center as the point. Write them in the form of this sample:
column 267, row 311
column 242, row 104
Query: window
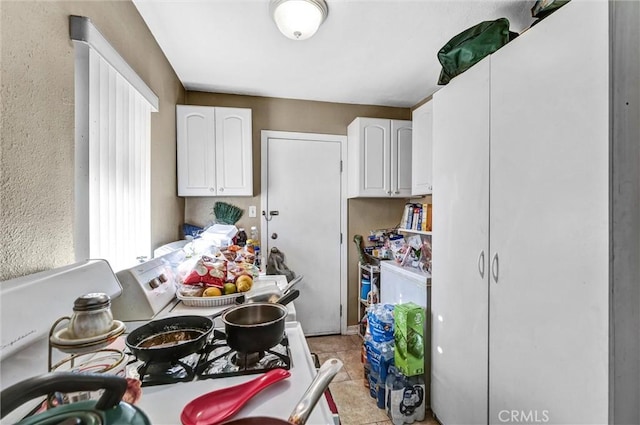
column 113, row 116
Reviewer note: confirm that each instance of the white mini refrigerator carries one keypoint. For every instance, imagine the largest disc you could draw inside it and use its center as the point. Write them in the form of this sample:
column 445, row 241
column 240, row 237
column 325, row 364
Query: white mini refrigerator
column 399, row 285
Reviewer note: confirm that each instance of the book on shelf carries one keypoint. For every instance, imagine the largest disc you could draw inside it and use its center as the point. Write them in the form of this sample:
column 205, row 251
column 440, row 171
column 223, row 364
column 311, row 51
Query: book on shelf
column 416, row 217
column 417, row 214
column 407, row 216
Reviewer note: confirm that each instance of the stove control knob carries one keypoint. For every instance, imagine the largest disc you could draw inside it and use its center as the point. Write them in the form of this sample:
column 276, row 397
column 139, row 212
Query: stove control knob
column 163, row 278
column 154, row 283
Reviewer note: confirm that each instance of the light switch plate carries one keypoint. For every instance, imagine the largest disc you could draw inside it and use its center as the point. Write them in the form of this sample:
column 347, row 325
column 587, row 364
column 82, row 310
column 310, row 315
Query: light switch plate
column 252, row 211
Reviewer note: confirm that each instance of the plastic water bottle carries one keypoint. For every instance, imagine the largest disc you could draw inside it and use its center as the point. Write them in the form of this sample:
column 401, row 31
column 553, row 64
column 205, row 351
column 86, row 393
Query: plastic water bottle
column 419, row 390
column 386, row 362
column 254, row 235
column 394, row 389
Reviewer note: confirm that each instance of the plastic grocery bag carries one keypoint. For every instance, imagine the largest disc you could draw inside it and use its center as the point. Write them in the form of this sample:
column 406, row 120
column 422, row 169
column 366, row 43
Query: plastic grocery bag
column 276, row 265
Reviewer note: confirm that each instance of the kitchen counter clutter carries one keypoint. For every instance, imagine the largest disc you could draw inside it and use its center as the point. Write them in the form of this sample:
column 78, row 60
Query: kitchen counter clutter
column 167, row 387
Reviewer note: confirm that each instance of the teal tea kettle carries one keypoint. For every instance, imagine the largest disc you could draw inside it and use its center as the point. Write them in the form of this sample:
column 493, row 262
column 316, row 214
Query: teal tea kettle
column 108, row 409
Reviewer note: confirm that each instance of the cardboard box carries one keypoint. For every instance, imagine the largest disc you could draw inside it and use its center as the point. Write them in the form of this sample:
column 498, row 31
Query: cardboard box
column 409, row 338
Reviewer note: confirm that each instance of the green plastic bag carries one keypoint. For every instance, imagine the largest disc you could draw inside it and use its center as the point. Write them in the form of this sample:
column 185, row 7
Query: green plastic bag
column 543, row 8
column 470, row 46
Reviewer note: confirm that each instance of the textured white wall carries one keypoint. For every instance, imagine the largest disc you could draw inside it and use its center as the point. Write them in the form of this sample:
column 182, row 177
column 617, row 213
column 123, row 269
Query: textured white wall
column 37, row 127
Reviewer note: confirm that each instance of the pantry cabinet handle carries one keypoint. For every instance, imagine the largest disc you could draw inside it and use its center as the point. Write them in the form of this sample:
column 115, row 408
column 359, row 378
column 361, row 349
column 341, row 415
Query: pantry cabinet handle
column 481, row 263
column 494, row 267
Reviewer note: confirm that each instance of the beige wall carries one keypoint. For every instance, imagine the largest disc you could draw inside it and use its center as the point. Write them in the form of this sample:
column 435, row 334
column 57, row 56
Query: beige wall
column 307, row 117
column 37, row 127
column 37, row 117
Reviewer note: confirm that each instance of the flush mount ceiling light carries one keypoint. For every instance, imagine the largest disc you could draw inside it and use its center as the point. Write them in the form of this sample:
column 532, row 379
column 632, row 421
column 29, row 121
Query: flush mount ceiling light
column 298, row 19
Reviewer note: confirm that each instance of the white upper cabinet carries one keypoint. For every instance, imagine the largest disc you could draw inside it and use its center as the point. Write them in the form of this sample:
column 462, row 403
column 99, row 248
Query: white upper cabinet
column 379, row 158
column 214, row 151
column 421, row 147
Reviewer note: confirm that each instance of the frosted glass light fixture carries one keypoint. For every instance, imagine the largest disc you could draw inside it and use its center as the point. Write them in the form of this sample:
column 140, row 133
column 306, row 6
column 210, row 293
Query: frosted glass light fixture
column 298, row 19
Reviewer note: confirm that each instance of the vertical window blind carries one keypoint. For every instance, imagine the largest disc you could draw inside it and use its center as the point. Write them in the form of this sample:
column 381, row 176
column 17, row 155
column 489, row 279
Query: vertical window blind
column 119, row 142
column 113, row 140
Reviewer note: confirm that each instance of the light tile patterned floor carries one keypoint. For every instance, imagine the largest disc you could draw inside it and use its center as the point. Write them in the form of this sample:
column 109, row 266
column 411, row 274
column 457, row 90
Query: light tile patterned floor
column 355, row 406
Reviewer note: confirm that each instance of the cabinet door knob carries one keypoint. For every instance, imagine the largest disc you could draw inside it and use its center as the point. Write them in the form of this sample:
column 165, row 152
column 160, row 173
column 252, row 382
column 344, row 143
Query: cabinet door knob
column 494, row 267
column 397, row 192
column 388, row 192
column 481, row 263
column 221, row 189
column 212, row 189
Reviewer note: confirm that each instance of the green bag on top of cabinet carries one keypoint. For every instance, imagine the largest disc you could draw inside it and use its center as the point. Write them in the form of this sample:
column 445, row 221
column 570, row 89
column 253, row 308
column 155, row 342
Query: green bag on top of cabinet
column 471, row 46
column 408, row 334
column 543, row 8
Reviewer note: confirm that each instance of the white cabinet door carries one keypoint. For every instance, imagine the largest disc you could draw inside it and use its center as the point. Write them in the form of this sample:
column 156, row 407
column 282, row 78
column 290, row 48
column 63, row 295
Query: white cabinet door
column 196, row 155
column 374, row 157
column 549, row 220
column 214, row 150
column 400, row 158
column 379, row 152
column 422, row 150
column 234, row 166
column 460, row 248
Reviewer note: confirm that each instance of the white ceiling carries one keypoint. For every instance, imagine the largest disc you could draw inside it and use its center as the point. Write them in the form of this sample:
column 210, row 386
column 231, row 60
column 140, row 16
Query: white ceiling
column 375, row 52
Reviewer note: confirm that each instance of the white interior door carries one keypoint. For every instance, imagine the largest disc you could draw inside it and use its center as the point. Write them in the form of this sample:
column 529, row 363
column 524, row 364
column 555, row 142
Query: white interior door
column 302, row 181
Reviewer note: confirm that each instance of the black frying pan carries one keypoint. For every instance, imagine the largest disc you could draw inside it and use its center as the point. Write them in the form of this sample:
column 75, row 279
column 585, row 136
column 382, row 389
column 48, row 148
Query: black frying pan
column 172, row 338
column 169, row 339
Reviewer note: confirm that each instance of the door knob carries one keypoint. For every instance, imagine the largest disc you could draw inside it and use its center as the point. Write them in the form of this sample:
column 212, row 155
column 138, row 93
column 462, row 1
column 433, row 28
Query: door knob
column 274, row 236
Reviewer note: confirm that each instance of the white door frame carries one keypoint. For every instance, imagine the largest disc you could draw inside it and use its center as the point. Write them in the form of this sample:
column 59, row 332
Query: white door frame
column 267, row 134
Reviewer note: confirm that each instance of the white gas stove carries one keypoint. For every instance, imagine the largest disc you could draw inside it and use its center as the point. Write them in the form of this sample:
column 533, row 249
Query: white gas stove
column 25, row 348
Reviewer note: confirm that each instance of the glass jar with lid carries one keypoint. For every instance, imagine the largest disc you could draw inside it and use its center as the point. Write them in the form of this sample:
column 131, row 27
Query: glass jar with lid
column 91, row 316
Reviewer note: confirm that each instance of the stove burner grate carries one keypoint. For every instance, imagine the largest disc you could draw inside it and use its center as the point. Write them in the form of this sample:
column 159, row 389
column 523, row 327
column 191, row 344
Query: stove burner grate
column 159, row 373
column 215, row 360
column 220, row 361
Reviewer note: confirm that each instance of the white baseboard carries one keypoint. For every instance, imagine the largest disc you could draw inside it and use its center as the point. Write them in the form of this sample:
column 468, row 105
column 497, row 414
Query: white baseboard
column 352, row 330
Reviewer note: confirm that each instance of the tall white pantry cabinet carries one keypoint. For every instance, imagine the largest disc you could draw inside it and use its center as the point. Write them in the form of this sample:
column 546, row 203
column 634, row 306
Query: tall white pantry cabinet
column 521, row 230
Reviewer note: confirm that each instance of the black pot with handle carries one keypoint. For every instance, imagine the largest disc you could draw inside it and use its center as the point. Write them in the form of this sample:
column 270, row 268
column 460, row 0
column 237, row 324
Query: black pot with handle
column 109, row 409
column 256, row 327
column 175, row 337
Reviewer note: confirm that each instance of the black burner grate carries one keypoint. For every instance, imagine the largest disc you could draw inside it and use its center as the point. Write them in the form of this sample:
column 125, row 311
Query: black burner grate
column 220, row 361
column 159, row 373
column 215, row 360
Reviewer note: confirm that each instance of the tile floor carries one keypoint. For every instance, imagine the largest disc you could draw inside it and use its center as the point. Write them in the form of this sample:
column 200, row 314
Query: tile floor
column 355, row 406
